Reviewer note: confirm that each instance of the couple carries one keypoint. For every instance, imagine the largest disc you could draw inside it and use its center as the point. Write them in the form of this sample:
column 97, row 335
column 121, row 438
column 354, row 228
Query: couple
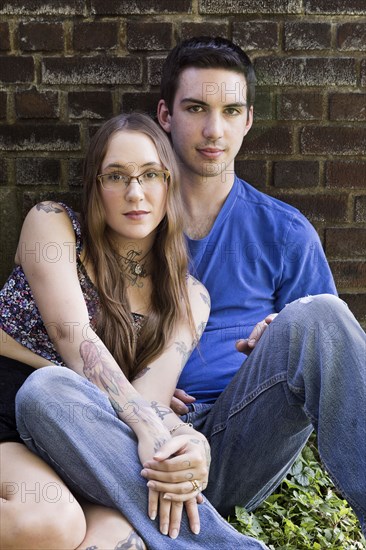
column 122, row 313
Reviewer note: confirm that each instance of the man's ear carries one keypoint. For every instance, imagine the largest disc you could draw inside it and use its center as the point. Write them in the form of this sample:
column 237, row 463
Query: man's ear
column 163, row 115
column 249, row 121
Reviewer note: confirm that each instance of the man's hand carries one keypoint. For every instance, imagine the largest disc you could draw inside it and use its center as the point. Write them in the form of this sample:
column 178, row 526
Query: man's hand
column 179, row 400
column 248, row 344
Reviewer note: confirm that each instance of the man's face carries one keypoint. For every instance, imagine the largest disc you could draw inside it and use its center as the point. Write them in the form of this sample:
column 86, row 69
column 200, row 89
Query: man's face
column 209, row 121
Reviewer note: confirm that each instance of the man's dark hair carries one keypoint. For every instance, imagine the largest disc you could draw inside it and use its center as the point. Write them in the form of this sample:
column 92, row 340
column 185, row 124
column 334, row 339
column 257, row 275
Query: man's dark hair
column 205, row 52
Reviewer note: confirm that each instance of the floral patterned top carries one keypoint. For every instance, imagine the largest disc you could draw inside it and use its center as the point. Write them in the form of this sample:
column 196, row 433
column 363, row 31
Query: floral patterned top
column 20, row 317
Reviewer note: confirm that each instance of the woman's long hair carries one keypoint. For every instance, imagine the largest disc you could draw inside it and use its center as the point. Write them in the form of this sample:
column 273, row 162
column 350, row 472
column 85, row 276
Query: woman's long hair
column 169, row 299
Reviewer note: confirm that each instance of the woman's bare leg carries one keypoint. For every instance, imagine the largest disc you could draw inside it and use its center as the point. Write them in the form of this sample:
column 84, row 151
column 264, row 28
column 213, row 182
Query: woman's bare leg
column 37, row 510
column 107, row 529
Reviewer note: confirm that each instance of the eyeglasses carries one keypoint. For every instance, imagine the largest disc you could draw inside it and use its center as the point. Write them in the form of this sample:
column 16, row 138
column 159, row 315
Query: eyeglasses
column 148, row 179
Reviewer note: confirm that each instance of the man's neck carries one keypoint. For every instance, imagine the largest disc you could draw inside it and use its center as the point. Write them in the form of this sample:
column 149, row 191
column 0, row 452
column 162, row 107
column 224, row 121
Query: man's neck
column 203, row 199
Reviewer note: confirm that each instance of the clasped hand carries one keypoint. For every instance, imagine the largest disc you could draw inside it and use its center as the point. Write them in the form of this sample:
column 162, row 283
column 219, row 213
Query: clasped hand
column 176, row 475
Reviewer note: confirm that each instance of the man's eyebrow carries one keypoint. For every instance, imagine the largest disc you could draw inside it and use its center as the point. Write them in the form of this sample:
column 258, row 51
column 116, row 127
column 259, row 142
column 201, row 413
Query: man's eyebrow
column 203, row 103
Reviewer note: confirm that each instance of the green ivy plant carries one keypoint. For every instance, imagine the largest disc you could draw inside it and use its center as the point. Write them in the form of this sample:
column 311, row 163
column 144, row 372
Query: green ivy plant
column 305, row 513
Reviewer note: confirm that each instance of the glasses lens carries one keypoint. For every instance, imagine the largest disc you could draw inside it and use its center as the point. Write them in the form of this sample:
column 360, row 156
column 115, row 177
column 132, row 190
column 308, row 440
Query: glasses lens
column 152, row 177
column 114, row 181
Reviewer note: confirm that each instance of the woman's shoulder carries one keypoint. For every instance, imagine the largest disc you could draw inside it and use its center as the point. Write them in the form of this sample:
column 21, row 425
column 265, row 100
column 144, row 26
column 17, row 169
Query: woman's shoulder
column 52, row 219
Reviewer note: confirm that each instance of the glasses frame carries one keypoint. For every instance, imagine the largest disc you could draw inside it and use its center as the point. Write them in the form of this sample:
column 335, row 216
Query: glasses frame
column 100, row 178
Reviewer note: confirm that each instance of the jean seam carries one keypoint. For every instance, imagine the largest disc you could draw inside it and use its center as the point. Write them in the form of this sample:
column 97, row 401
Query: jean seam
column 274, row 380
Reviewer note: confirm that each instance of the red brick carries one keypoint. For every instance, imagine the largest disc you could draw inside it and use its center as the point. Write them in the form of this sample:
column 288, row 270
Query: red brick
column 349, row 274
column 41, row 36
column 345, row 243
column 300, row 71
column 363, row 72
column 16, row 69
column 95, row 36
column 37, row 171
column 39, row 7
column 208, row 28
column 90, row 104
column 4, row 37
column 39, row 137
column 307, row 36
column 336, row 7
column 300, row 106
column 360, row 209
column 154, row 69
column 146, row 102
column 35, row 104
column 349, row 106
column 268, row 140
column 76, row 172
column 256, row 35
column 249, row 6
column 296, row 174
column 3, row 104
column 125, row 7
column 252, row 171
column 149, row 36
column 91, row 70
column 263, row 105
column 351, row 36
column 319, row 208
column 349, row 174
column 340, row 140
column 357, row 304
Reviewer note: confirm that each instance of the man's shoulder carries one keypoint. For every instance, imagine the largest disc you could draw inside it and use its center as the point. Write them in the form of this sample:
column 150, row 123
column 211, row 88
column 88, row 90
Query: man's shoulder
column 258, row 199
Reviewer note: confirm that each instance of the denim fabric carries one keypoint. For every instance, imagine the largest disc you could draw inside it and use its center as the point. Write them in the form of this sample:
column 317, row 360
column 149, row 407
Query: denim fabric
column 308, row 371
column 70, row 423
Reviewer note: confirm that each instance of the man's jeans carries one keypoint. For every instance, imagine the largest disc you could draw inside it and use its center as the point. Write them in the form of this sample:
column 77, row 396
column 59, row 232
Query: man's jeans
column 308, row 370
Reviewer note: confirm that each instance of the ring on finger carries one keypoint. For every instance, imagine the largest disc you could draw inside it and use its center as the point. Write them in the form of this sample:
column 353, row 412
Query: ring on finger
column 195, row 485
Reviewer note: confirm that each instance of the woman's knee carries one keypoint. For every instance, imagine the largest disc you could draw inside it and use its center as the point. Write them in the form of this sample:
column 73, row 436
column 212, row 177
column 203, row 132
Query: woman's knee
column 43, row 525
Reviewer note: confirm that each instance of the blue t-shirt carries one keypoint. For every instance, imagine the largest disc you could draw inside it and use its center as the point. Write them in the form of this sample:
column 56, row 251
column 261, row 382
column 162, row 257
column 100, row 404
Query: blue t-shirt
column 260, row 255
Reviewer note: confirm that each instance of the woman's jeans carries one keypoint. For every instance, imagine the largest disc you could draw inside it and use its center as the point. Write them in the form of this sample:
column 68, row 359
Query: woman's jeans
column 308, row 370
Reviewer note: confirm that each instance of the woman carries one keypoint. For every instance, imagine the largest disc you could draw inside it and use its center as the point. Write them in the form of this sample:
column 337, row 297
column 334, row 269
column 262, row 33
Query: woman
column 109, row 298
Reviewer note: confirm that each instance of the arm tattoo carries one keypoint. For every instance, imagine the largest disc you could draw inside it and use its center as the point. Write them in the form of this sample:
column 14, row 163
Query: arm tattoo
column 100, row 369
column 161, row 410
column 206, row 299
column 185, row 352
column 49, row 206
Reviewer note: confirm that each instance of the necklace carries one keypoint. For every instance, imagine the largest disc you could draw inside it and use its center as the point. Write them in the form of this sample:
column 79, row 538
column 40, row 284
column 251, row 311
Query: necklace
column 133, row 266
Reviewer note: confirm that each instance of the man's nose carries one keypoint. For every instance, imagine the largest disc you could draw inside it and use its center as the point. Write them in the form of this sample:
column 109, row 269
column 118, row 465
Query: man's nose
column 213, row 129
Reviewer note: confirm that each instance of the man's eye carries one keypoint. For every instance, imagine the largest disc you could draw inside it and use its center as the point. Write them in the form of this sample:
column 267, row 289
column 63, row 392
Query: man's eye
column 195, row 109
column 232, row 111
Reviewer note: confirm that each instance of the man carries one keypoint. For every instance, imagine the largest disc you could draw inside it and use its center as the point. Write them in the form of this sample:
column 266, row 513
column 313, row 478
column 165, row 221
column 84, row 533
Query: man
column 255, row 255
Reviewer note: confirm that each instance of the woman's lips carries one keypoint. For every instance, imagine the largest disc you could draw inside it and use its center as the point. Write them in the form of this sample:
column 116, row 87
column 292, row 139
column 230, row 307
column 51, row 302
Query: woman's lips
column 136, row 214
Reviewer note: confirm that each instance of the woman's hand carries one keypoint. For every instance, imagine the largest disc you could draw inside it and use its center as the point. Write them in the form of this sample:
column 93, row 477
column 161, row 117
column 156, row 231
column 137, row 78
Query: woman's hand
column 180, row 468
column 177, row 475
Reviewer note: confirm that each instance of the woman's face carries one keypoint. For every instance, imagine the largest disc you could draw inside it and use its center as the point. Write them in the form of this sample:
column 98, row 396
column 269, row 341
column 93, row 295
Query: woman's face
column 134, row 209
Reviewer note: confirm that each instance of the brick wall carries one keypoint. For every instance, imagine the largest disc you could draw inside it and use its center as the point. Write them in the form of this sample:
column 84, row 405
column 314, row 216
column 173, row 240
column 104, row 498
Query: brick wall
column 67, row 66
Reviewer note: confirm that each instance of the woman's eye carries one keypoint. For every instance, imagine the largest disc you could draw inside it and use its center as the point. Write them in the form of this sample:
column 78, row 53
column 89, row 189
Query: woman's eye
column 116, row 177
column 150, row 175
